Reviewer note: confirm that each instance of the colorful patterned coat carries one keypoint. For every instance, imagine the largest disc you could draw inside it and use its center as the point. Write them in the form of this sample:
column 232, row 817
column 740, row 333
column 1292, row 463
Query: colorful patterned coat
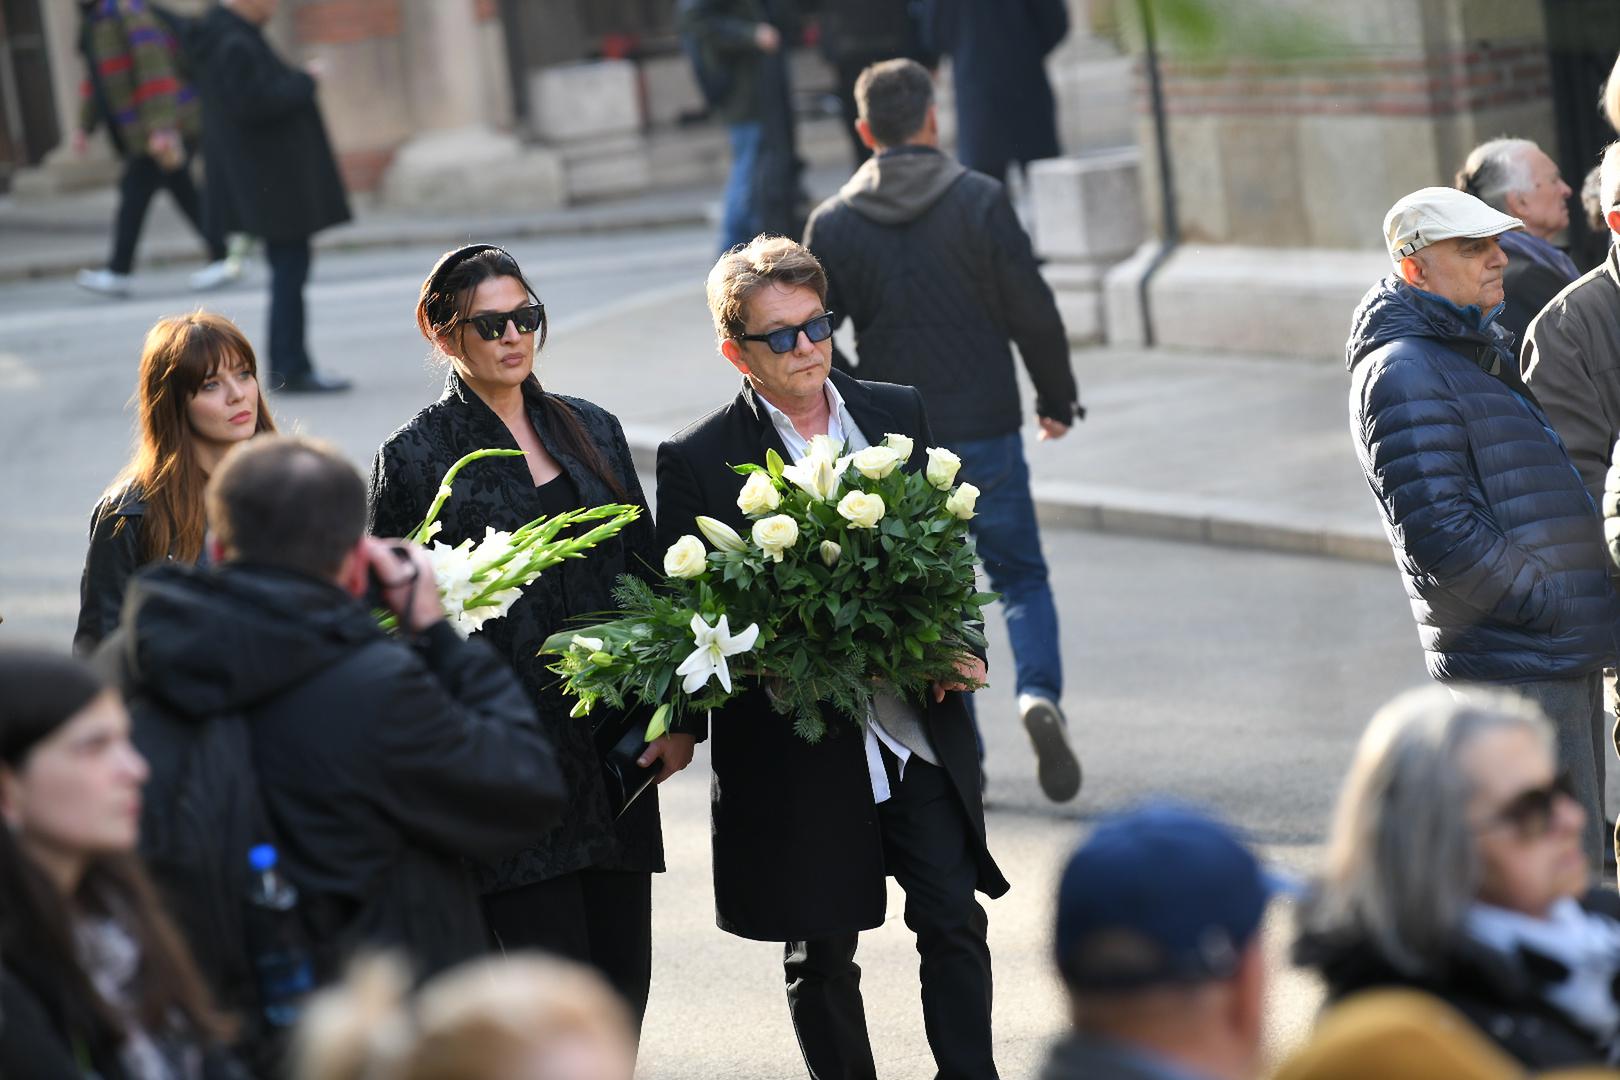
column 133, row 79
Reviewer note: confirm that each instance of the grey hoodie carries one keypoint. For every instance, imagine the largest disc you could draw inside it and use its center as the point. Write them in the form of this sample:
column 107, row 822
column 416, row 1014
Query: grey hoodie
column 898, row 185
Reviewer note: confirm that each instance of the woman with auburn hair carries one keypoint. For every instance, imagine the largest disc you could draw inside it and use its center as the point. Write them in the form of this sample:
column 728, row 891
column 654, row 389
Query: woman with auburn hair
column 197, row 395
column 94, row 979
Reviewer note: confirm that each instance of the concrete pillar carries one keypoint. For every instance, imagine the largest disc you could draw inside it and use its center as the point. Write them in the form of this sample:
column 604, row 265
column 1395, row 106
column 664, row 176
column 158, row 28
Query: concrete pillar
column 459, row 104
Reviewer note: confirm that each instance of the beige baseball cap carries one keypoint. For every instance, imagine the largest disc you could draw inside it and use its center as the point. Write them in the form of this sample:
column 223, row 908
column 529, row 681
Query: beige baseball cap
column 1432, row 214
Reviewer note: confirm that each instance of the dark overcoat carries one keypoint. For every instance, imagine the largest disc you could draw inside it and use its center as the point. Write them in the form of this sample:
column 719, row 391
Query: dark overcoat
column 499, row 492
column 1004, row 106
column 271, row 172
column 797, row 849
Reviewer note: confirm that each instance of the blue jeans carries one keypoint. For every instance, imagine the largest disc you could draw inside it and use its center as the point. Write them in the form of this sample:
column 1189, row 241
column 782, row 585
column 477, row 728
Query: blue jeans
column 1009, row 544
column 739, row 222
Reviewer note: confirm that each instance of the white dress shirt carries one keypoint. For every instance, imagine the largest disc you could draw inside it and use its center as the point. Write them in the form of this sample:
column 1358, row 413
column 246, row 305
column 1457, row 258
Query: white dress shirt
column 840, row 426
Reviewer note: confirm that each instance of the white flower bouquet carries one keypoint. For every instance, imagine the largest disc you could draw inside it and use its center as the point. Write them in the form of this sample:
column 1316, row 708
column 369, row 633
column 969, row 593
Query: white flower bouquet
column 480, row 581
column 855, row 572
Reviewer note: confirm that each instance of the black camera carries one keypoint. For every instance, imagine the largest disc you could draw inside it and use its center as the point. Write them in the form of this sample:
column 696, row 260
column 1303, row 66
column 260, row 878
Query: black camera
column 375, row 587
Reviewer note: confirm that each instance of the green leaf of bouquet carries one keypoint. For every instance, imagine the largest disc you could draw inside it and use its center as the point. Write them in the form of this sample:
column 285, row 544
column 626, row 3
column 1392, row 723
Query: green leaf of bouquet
column 774, row 464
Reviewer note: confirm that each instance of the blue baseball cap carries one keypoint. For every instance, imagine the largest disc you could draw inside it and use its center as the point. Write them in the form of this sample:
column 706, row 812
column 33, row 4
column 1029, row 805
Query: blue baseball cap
column 1160, row 894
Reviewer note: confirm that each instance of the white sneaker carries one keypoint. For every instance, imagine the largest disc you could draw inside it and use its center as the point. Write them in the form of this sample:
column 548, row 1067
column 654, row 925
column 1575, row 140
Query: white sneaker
column 104, row 282
column 1056, row 766
column 216, row 274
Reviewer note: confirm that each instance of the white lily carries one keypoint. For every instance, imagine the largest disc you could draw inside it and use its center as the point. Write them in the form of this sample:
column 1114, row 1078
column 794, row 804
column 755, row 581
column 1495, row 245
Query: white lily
column 721, row 535
column 714, row 644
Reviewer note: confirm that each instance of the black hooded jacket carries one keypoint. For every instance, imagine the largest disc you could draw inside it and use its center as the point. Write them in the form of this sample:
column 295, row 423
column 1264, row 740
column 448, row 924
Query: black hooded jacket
column 930, row 263
column 382, row 765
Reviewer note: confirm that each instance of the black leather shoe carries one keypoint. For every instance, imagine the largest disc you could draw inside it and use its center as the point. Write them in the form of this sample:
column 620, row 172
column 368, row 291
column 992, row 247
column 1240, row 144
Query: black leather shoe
column 312, row 382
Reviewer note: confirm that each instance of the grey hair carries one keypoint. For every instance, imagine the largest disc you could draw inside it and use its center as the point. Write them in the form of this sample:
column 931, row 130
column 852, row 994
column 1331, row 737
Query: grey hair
column 1496, row 169
column 1401, row 867
column 1610, row 182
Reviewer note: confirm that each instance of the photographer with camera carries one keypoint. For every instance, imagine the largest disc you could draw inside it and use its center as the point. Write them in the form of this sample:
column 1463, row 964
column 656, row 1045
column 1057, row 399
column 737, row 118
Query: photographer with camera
column 380, row 763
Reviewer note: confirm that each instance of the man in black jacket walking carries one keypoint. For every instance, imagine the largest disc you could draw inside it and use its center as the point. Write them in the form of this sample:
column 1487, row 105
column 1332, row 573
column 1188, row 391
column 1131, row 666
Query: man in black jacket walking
column 930, row 262
column 383, row 762
column 271, row 172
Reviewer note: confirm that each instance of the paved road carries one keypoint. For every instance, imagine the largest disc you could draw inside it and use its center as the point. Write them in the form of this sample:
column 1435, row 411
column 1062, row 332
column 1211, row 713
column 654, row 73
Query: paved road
column 1237, row 679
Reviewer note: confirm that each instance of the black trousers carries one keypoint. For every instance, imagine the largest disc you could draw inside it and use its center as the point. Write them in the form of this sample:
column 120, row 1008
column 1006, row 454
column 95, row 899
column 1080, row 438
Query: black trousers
column 142, row 179
column 602, row 918
column 289, row 270
column 927, row 849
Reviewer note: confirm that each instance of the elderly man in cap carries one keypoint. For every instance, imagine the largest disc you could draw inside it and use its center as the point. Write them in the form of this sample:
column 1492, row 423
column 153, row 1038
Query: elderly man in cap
column 1498, row 543
column 1158, row 942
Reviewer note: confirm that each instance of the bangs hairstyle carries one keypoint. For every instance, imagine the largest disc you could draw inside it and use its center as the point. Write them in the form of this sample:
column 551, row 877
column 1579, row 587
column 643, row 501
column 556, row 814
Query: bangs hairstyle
column 181, row 353
column 442, row 308
column 743, row 271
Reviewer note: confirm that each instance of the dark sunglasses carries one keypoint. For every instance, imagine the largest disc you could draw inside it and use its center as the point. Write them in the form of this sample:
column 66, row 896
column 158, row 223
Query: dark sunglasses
column 491, row 326
column 1530, row 812
column 783, row 338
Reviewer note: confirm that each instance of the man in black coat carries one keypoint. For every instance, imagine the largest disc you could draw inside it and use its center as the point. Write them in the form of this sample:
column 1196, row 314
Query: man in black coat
column 271, row 172
column 384, row 762
column 804, row 834
column 929, row 261
column 1005, row 112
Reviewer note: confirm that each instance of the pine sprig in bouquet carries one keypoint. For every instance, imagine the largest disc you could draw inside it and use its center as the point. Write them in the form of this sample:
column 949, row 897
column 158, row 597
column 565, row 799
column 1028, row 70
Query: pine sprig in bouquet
column 481, row 581
column 855, row 574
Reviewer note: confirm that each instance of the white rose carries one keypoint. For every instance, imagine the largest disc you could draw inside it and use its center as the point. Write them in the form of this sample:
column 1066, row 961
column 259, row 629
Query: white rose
column 861, row 510
column 942, row 466
column 962, row 500
column 900, row 444
column 830, row 553
column 775, row 535
column 721, row 535
column 685, row 557
column 876, row 462
column 758, row 495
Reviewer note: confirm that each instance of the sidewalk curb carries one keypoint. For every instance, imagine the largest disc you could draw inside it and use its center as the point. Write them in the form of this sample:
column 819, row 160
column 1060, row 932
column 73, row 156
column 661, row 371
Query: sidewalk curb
column 366, row 234
column 1190, row 519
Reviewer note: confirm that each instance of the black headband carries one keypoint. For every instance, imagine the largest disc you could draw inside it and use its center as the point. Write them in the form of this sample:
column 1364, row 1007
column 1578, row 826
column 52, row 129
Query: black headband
column 452, row 259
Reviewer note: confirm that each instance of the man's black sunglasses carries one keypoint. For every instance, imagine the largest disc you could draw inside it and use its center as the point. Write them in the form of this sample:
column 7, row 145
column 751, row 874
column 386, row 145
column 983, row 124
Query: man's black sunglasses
column 1530, row 812
column 491, row 326
column 783, row 338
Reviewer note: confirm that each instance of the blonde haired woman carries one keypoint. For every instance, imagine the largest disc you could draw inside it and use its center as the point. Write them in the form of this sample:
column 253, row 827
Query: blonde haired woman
column 529, row 1017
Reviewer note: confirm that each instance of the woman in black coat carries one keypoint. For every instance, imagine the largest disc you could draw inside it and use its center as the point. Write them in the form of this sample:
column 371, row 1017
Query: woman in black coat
column 196, row 396
column 585, row 891
column 1455, row 868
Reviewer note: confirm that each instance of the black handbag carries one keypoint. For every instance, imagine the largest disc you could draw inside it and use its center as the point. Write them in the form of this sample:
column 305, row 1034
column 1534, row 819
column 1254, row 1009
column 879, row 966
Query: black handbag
column 620, row 740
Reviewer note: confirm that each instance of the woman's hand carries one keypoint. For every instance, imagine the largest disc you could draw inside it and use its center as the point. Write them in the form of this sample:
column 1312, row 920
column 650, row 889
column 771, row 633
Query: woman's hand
column 673, row 749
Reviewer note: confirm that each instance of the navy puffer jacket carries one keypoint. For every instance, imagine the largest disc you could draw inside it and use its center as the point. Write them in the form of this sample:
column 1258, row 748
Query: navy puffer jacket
column 1499, row 546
